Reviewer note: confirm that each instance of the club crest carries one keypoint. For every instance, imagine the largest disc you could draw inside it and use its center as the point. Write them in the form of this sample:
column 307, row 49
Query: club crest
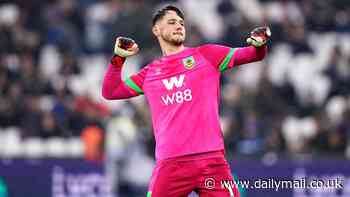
column 188, row 62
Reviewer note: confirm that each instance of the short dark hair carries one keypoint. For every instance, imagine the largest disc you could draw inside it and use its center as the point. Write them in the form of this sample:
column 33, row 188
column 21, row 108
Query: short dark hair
column 161, row 13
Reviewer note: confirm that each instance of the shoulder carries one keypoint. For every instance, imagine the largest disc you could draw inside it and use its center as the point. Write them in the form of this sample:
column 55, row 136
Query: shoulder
column 208, row 48
column 151, row 66
column 204, row 46
column 143, row 71
column 209, row 45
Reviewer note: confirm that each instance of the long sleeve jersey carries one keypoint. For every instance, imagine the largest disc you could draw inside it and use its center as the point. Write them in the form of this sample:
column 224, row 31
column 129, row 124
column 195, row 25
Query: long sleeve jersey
column 183, row 93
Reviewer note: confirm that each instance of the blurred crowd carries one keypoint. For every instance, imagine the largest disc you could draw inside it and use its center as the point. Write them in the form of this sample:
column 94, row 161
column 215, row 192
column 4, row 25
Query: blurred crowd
column 54, row 53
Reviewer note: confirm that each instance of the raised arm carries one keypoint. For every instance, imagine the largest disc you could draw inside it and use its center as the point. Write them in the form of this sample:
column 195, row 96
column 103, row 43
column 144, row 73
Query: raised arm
column 223, row 57
column 258, row 49
column 249, row 54
column 114, row 87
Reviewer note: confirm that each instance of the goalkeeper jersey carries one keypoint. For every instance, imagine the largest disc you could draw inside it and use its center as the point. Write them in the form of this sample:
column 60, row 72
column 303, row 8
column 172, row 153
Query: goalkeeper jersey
column 183, row 93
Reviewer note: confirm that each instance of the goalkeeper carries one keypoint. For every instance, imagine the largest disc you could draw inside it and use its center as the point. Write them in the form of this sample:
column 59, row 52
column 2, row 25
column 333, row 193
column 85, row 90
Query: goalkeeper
column 182, row 90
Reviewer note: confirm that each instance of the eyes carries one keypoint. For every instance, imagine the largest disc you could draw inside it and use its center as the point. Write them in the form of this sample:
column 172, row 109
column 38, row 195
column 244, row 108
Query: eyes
column 174, row 21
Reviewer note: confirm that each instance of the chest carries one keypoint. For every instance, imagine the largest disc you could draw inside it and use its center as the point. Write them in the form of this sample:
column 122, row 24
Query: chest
column 179, row 80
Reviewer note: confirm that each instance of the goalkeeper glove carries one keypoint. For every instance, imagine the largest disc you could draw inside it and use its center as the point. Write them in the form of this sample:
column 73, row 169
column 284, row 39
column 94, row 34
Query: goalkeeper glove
column 125, row 47
column 259, row 36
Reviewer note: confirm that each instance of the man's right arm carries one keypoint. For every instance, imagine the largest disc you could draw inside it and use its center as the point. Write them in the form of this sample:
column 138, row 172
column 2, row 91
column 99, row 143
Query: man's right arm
column 114, row 87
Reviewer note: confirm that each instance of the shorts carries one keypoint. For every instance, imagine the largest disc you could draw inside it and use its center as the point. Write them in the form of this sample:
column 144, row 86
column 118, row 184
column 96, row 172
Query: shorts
column 207, row 174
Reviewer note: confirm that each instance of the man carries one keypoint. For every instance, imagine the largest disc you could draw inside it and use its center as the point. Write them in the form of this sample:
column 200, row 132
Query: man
column 182, row 89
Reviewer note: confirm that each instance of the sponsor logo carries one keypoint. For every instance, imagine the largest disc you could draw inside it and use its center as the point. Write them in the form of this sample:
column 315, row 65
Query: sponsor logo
column 178, row 82
column 179, row 96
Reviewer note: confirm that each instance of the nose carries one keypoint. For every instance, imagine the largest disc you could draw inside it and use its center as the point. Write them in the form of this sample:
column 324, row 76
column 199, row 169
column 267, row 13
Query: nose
column 179, row 26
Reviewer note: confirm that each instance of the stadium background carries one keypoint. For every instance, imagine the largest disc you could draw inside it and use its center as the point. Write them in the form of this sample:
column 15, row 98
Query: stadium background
column 281, row 117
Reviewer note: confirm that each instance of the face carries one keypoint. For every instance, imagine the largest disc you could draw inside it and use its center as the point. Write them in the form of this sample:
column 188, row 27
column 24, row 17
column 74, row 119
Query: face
column 171, row 29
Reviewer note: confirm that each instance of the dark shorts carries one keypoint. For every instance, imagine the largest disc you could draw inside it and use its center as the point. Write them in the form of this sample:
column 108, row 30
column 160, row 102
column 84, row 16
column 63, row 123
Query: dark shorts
column 207, row 174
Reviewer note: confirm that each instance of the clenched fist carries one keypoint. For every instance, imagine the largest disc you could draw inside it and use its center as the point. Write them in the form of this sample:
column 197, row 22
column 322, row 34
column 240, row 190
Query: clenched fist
column 125, row 47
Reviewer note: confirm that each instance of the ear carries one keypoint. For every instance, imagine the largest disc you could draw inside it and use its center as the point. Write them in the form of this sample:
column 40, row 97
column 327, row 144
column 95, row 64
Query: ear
column 155, row 30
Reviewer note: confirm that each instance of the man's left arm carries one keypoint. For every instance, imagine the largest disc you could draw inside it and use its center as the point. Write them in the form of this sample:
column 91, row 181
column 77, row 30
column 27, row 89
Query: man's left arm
column 257, row 51
column 246, row 55
column 223, row 57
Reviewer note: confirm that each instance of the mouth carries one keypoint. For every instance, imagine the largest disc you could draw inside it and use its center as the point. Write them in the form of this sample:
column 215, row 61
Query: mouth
column 178, row 33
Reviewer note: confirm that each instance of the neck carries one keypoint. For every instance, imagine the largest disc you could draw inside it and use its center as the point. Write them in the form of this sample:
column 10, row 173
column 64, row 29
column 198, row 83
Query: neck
column 169, row 49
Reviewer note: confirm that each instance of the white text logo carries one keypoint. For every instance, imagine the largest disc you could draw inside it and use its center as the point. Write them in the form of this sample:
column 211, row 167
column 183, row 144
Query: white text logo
column 169, row 84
